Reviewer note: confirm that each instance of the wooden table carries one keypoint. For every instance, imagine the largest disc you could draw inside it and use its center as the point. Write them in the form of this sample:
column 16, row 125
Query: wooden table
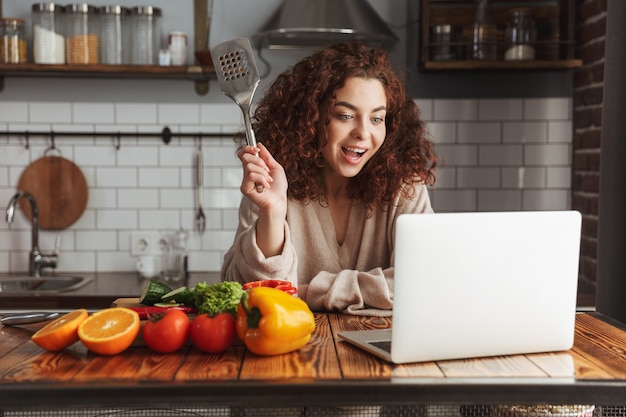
column 326, row 372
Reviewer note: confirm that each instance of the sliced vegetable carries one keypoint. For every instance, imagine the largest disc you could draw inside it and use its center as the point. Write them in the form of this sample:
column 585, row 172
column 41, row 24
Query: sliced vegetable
column 152, row 292
column 182, row 295
column 172, row 304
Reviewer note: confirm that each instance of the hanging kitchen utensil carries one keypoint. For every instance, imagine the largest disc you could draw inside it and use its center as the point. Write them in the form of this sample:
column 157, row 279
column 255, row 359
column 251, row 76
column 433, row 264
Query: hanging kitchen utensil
column 238, row 77
column 199, row 183
column 59, row 187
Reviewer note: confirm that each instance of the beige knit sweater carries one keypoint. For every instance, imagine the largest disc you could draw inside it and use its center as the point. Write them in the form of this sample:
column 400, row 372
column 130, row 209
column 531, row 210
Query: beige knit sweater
column 353, row 278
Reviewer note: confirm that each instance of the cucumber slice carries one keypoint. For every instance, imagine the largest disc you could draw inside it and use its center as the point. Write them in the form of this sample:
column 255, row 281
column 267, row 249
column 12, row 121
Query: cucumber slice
column 182, row 295
column 152, row 292
column 168, row 305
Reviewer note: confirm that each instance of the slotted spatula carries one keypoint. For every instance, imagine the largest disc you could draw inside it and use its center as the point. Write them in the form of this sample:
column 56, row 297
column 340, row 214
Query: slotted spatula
column 238, row 76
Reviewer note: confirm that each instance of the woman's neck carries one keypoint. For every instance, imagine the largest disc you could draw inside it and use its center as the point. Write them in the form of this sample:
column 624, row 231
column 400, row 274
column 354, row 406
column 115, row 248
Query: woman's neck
column 336, row 186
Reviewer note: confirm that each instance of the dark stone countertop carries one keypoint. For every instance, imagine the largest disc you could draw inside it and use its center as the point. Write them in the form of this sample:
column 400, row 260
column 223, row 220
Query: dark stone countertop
column 100, row 292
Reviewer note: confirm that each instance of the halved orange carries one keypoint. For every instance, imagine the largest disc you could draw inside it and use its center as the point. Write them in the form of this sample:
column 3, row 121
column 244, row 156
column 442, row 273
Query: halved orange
column 109, row 331
column 61, row 332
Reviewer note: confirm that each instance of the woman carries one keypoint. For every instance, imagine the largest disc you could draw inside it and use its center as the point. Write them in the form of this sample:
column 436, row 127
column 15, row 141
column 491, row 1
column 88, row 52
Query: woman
column 341, row 153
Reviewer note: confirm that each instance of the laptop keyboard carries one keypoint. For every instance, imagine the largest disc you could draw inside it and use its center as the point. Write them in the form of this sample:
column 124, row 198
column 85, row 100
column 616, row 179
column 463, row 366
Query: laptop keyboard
column 383, row 344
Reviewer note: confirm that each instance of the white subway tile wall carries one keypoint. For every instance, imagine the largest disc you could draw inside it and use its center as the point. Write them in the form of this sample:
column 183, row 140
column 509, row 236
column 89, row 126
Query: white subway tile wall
column 504, row 154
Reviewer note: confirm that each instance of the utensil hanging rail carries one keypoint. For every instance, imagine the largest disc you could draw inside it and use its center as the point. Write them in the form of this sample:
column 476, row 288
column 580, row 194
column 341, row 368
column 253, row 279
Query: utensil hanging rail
column 166, row 135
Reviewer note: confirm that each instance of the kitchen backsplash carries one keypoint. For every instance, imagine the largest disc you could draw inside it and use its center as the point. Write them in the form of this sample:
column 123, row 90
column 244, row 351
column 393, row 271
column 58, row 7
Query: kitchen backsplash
column 499, row 154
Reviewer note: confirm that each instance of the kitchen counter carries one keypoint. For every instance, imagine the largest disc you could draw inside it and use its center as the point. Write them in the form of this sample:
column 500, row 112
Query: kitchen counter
column 325, row 373
column 100, row 292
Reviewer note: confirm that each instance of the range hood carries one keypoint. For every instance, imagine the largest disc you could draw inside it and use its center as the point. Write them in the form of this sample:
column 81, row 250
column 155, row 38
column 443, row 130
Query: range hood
column 314, row 24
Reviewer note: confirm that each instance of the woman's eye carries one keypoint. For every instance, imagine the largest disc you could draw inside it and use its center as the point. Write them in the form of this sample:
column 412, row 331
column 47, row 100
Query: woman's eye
column 377, row 120
column 344, row 116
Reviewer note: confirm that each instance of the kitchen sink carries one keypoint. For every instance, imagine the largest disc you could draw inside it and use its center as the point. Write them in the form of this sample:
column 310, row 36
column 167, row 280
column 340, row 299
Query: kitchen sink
column 46, row 284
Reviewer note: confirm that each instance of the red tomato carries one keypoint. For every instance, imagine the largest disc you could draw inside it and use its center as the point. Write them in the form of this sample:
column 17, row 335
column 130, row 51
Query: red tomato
column 167, row 332
column 213, row 334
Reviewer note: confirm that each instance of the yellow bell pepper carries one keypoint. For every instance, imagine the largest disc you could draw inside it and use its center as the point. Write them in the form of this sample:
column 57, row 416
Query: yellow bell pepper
column 272, row 322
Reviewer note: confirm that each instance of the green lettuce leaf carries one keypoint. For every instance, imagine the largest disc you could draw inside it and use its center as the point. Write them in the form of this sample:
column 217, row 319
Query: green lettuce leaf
column 221, row 297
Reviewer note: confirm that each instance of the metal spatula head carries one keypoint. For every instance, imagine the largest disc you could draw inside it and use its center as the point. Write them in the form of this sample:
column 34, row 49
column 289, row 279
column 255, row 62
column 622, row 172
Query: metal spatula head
column 238, row 76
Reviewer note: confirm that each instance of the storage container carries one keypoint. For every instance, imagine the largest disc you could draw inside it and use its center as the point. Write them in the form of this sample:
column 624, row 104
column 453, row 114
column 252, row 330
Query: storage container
column 48, row 37
column 13, row 45
column 520, row 36
column 81, row 34
column 114, row 34
column 146, row 35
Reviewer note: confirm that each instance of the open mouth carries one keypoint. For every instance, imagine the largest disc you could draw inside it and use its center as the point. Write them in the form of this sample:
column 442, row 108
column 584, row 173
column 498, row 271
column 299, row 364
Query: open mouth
column 353, row 153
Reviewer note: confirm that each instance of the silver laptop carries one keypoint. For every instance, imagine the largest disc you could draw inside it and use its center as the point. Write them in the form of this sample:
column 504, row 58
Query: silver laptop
column 480, row 284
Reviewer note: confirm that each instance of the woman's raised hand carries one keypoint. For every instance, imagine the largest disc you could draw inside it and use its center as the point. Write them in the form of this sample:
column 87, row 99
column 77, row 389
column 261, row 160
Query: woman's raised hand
column 260, row 169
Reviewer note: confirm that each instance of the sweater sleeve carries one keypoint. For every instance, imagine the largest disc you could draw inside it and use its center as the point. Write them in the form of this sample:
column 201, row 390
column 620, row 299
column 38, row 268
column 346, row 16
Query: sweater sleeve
column 245, row 261
column 352, row 292
column 364, row 292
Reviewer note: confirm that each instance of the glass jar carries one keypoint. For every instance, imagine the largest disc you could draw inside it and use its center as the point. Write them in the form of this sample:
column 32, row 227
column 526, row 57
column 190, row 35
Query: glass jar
column 175, row 268
column 48, row 38
column 445, row 41
column 81, row 34
column 483, row 43
column 520, row 36
column 146, row 35
column 114, row 35
column 13, row 45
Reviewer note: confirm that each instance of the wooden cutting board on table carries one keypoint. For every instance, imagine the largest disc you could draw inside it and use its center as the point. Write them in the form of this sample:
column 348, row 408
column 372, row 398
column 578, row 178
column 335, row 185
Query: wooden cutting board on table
column 60, row 189
column 126, row 302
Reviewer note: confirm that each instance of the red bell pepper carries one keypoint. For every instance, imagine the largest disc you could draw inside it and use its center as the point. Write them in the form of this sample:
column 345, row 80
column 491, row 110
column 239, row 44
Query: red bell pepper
column 279, row 284
column 146, row 312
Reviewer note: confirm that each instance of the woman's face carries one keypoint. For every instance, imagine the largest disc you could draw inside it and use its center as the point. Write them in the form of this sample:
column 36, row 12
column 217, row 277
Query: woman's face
column 356, row 128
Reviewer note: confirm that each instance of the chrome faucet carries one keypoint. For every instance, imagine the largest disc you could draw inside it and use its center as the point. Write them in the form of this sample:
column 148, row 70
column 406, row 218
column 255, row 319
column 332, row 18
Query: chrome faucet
column 37, row 260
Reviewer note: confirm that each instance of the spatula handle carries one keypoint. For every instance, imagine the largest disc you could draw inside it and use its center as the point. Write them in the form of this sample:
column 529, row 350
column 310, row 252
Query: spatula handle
column 251, row 140
column 250, row 137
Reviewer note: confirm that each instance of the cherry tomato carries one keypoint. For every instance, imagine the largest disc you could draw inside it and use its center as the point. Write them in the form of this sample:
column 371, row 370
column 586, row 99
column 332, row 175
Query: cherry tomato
column 167, row 332
column 213, row 334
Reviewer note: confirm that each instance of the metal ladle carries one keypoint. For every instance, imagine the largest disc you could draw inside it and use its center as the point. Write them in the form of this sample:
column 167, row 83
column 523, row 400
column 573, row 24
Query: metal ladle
column 200, row 217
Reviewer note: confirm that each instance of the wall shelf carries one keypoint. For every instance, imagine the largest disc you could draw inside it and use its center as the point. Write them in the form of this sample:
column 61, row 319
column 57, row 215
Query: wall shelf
column 503, row 65
column 199, row 74
column 555, row 45
column 108, row 71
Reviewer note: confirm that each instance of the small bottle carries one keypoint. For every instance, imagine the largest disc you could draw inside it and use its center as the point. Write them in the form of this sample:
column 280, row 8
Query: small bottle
column 13, row 45
column 81, row 40
column 520, row 36
column 177, row 42
column 48, row 38
column 483, row 45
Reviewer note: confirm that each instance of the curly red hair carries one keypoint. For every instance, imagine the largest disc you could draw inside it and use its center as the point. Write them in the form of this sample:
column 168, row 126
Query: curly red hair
column 289, row 121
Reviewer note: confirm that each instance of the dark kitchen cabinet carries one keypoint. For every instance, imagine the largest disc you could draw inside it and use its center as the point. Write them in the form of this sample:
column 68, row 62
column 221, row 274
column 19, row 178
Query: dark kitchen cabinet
column 554, row 20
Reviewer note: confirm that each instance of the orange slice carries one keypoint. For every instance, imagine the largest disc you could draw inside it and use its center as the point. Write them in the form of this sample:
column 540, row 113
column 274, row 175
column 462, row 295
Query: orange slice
column 61, row 332
column 109, row 331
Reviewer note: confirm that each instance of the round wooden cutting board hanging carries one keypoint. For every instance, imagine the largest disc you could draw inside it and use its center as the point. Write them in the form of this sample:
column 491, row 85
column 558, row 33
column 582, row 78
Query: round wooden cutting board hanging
column 60, row 189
